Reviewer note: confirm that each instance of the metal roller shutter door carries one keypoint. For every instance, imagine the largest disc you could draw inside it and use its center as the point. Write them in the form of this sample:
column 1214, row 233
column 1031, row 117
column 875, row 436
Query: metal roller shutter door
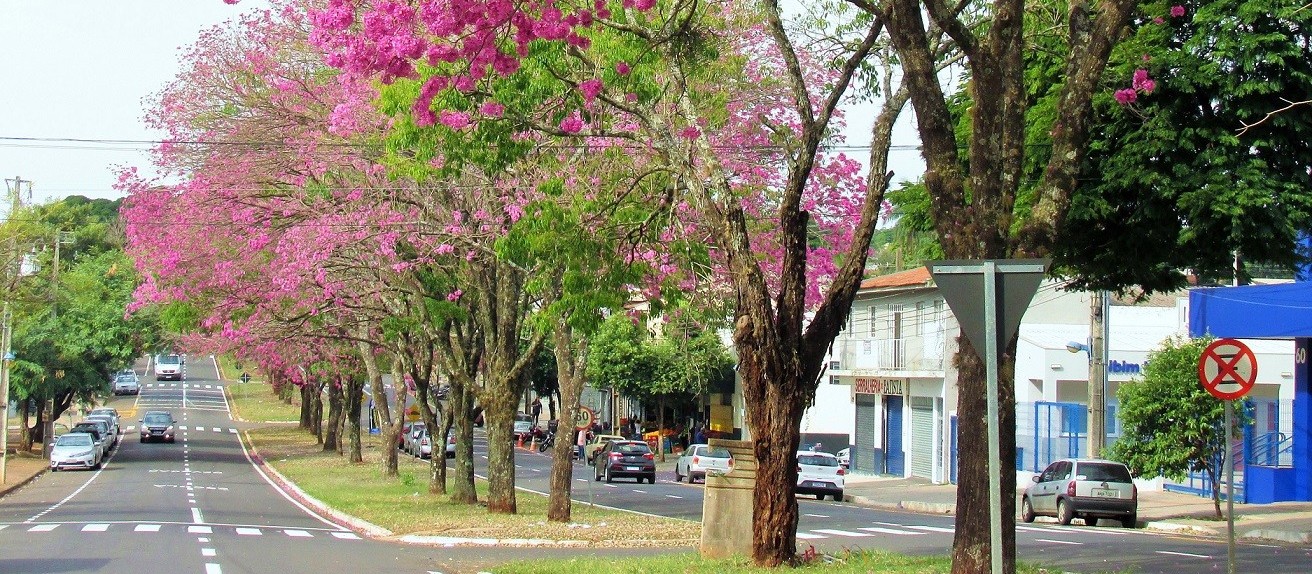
column 922, row 437
column 863, row 456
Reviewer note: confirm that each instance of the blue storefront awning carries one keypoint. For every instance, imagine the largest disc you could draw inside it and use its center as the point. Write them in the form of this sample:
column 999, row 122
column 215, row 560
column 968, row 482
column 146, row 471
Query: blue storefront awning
column 1281, row 311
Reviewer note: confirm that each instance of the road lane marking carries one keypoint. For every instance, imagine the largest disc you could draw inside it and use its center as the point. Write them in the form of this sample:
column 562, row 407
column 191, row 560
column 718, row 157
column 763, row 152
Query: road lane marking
column 1070, row 542
column 639, row 491
column 816, row 515
column 932, row 529
column 249, row 532
column 146, row 528
column 99, row 527
column 208, row 552
column 298, row 533
column 195, row 515
column 345, row 535
column 1185, row 554
column 43, row 528
column 1033, row 529
column 232, row 431
column 883, row 530
column 199, row 530
column 3, row 526
column 673, row 496
column 847, row 533
column 805, row 536
column 212, row 568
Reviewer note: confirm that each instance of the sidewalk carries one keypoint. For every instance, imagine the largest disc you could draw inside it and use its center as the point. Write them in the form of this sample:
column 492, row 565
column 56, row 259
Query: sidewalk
column 1158, row 510
column 21, row 469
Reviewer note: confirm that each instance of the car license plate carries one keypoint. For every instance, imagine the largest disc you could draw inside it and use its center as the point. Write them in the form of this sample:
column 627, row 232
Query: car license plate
column 1106, row 493
column 813, row 483
column 631, row 468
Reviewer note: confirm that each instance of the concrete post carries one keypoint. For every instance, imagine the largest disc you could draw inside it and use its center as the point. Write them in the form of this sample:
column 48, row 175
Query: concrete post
column 727, row 504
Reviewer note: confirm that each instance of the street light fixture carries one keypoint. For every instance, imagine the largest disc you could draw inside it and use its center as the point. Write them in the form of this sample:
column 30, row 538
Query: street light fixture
column 1075, row 347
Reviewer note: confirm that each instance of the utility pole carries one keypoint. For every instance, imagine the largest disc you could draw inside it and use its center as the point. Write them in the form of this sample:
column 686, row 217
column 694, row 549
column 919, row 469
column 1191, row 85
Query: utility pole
column 48, row 432
column 15, row 189
column 1099, row 305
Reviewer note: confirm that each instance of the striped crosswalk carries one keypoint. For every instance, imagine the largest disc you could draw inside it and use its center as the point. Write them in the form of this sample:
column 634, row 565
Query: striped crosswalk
column 188, row 528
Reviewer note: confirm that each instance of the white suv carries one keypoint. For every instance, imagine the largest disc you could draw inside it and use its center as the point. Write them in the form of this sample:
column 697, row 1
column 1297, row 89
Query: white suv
column 820, row 474
column 168, row 367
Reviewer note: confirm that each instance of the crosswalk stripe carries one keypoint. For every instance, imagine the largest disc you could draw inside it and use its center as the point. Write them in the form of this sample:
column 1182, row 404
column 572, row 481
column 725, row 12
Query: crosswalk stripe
column 249, row 532
column 1032, row 529
column 805, row 536
column 1070, row 542
column 182, row 427
column 42, row 528
column 95, row 528
column 217, row 429
column 298, row 533
column 847, row 533
column 146, row 528
column 883, row 530
column 932, row 529
column 232, row 431
column 346, row 535
column 200, row 530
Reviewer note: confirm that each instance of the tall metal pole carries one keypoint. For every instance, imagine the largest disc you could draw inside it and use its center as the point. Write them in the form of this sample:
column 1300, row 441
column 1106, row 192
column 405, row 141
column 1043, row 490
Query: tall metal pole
column 991, row 386
column 1229, row 488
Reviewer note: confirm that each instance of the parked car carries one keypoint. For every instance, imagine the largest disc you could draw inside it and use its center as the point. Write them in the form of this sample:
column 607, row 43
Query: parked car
column 158, row 425
column 110, row 422
column 400, row 438
column 523, row 426
column 127, row 385
column 451, row 444
column 1082, row 488
column 109, row 412
column 820, row 474
column 98, row 429
column 699, row 459
column 598, row 441
column 625, row 458
column 422, row 444
column 75, row 450
column 845, row 457
column 411, row 438
column 168, row 367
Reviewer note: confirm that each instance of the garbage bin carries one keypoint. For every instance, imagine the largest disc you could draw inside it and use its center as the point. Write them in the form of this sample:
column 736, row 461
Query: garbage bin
column 727, row 504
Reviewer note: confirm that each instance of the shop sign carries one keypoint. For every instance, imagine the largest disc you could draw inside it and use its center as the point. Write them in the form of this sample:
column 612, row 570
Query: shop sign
column 876, row 386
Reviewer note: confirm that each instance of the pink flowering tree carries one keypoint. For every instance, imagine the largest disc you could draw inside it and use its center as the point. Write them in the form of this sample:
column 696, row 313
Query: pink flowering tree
column 733, row 126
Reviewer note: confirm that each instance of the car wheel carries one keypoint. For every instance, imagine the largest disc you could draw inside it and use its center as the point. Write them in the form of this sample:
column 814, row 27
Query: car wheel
column 679, row 477
column 1130, row 521
column 96, row 466
column 1026, row 511
column 651, row 479
column 609, row 478
column 838, row 497
column 1064, row 512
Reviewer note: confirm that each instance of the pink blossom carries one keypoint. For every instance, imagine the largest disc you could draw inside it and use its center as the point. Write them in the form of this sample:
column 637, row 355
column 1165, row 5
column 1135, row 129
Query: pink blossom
column 492, row 109
column 643, row 5
column 1158, row 20
column 590, row 89
column 690, row 132
column 572, row 124
column 454, row 295
column 1141, row 81
column 1126, row 96
column 622, row 68
column 1177, row 11
column 454, row 120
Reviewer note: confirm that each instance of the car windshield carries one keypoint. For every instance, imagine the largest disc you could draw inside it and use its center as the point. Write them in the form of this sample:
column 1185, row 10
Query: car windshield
column 170, row 360
column 522, row 418
column 816, row 460
column 74, row 440
column 1105, row 472
column 633, row 448
column 126, row 378
column 103, row 412
column 158, row 418
column 716, row 452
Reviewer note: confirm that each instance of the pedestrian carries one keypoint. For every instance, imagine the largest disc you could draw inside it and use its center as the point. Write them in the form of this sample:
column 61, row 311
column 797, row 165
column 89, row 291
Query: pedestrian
column 699, row 435
column 537, row 408
column 582, row 442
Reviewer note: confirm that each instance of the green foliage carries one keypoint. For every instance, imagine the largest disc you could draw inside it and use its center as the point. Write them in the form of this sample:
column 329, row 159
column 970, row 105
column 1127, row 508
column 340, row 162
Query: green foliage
column 685, row 360
column 1170, row 425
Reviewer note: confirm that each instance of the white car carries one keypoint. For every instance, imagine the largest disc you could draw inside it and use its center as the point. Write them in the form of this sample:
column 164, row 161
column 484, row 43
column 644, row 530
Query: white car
column 110, row 421
column 844, row 457
column 125, row 384
column 110, row 412
column 168, row 367
column 700, row 459
column 820, row 474
column 75, row 450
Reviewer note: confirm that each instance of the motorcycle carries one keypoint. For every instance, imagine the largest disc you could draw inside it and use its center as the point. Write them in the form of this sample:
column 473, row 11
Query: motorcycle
column 547, row 441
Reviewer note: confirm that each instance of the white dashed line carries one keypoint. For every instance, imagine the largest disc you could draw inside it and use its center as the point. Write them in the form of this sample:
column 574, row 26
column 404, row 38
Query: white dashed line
column 199, row 530
column 1070, row 542
column 146, row 528
column 848, row 533
column 639, row 491
column 932, row 529
column 894, row 531
column 95, row 528
column 208, row 552
column 212, row 568
column 816, row 515
column 805, row 536
column 345, row 535
column 1185, row 554
column 43, row 528
column 298, row 534
column 249, row 532
column 673, row 496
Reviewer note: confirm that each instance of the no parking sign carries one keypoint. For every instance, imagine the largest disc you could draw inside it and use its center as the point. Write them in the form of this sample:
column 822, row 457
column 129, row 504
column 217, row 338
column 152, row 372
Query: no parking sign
column 1227, row 369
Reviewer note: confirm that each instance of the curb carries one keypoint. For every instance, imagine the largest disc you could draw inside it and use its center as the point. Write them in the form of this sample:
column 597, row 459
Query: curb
column 450, row 541
column 284, row 483
column 5, row 490
column 908, row 505
column 1281, row 535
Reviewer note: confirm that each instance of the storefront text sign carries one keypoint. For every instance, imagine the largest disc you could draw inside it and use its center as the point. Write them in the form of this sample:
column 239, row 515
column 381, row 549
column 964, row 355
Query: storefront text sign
column 873, row 386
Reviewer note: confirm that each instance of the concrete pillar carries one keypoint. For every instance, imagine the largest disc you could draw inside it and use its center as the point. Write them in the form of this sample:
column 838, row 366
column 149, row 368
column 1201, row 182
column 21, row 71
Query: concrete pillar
column 727, row 504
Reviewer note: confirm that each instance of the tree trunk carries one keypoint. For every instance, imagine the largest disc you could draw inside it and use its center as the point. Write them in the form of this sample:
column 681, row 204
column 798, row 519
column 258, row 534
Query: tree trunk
column 462, row 471
column 498, row 417
column 382, row 409
column 570, row 379
column 354, row 400
column 334, row 423
column 307, row 406
column 971, row 545
column 316, row 411
column 1214, row 476
column 25, row 436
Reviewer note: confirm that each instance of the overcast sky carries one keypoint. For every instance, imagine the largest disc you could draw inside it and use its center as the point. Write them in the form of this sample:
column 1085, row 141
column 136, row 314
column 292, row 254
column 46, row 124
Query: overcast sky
column 79, row 69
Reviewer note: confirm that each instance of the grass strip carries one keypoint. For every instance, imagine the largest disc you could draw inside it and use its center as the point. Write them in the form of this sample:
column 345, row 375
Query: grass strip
column 854, row 561
column 403, row 504
column 256, row 402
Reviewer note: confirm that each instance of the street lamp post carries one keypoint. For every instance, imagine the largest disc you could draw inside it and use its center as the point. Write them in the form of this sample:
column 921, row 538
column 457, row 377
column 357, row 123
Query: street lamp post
column 1097, row 352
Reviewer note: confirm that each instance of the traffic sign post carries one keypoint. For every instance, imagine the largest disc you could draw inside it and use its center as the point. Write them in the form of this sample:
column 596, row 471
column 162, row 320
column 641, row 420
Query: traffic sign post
column 1228, row 370
column 584, row 418
column 1007, row 286
column 244, row 378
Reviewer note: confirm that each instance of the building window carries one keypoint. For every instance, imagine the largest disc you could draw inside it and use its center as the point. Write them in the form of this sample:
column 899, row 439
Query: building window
column 874, row 316
column 918, row 322
column 833, row 379
column 834, row 365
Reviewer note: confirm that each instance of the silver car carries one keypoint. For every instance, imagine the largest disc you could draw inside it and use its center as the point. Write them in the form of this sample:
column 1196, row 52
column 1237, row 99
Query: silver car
column 75, row 450
column 1082, row 488
column 99, row 431
column 110, row 412
column 127, row 385
column 700, row 459
column 110, row 422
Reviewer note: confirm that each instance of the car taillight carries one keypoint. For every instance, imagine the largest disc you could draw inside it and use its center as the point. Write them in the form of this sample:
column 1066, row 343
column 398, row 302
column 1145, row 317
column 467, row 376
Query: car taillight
column 1134, row 492
column 649, row 456
column 1070, row 488
column 696, row 460
column 840, row 471
column 423, row 442
column 731, row 463
column 616, row 455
